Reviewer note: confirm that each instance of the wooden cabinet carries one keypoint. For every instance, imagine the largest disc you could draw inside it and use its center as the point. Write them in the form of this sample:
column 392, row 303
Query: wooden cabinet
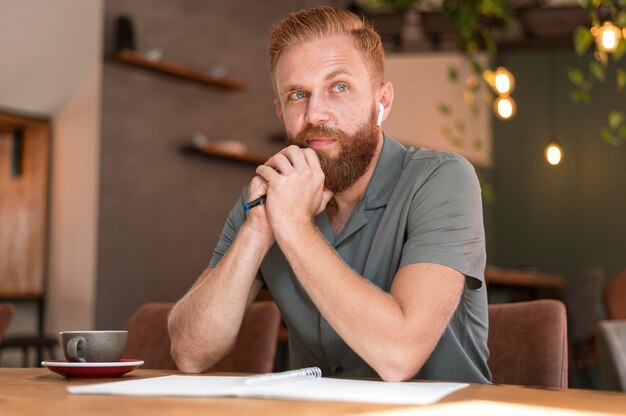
column 23, row 206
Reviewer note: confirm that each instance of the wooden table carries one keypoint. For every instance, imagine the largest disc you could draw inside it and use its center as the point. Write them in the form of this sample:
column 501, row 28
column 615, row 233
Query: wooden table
column 31, row 392
column 524, row 284
column 523, row 278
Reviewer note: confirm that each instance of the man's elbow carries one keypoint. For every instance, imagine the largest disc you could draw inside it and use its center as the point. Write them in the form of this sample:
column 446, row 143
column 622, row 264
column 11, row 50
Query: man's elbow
column 400, row 366
column 194, row 359
column 186, row 362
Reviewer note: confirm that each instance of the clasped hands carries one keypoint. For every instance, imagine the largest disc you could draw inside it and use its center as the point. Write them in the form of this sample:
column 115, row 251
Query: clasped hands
column 293, row 181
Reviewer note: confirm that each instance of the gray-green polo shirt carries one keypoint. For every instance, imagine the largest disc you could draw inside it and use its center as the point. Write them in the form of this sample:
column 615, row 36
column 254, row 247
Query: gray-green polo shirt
column 420, row 206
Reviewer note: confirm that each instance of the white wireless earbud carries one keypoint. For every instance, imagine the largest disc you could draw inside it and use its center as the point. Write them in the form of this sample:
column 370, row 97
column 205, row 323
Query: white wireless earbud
column 381, row 112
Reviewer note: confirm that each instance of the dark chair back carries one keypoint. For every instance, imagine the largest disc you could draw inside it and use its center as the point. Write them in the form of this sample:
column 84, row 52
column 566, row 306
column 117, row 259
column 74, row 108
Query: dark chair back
column 583, row 296
column 254, row 350
column 614, row 295
column 6, row 315
column 528, row 343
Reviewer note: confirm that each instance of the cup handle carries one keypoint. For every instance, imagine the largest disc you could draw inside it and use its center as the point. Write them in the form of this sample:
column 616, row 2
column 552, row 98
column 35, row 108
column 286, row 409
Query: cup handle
column 72, row 347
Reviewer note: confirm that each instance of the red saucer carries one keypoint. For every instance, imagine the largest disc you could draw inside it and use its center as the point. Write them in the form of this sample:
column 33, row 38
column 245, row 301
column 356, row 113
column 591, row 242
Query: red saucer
column 92, row 370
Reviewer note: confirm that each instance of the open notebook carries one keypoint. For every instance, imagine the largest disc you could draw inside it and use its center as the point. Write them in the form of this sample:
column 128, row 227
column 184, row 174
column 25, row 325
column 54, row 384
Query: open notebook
column 304, row 384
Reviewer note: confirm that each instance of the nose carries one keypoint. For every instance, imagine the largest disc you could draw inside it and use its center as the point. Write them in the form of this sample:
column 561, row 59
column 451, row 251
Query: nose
column 317, row 111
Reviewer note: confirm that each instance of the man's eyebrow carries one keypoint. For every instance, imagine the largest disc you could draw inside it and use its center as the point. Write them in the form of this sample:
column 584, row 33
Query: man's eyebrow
column 330, row 75
column 340, row 71
column 291, row 87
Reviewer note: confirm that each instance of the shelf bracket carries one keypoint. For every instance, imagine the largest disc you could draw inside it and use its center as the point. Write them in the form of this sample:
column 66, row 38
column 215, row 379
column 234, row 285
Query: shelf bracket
column 17, row 152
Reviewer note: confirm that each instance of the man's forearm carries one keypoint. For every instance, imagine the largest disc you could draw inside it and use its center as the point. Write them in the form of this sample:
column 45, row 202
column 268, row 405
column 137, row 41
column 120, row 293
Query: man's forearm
column 203, row 325
column 394, row 333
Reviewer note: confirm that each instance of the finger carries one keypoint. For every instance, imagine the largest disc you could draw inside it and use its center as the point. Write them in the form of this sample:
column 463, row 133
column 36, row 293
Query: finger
column 280, row 162
column 314, row 163
column 258, row 187
column 267, row 173
column 295, row 156
column 311, row 158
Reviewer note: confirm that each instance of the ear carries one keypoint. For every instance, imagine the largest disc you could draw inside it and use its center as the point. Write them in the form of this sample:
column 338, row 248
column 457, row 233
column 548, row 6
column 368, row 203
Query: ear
column 279, row 110
column 386, row 97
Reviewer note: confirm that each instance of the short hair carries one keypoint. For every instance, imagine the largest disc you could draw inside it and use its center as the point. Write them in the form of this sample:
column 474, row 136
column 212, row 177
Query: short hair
column 324, row 21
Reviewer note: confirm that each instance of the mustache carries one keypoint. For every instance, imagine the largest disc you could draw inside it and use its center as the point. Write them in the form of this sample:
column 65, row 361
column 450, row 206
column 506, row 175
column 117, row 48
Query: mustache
column 310, row 131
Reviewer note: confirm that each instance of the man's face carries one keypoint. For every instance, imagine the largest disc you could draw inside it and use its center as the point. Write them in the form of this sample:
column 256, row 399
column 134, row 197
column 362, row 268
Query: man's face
column 326, row 102
column 356, row 151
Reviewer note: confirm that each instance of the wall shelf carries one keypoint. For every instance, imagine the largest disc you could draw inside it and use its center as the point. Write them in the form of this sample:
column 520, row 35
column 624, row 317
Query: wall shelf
column 215, row 151
column 129, row 57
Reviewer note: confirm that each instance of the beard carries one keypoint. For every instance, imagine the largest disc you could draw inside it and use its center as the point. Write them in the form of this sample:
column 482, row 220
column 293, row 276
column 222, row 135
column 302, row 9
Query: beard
column 356, row 152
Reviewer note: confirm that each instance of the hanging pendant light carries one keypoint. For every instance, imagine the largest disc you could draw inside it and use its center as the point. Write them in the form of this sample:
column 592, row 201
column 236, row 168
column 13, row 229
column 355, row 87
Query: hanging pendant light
column 553, row 153
column 503, row 81
column 607, row 36
column 505, row 107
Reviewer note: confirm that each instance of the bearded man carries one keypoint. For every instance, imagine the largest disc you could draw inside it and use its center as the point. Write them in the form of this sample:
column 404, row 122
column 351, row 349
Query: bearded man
column 374, row 253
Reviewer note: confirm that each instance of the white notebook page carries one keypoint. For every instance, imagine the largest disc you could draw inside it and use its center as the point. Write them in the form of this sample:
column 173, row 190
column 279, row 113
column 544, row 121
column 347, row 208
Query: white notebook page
column 324, row 389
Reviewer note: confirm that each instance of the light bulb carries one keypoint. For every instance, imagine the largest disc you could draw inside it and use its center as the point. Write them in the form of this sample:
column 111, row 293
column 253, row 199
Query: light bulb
column 553, row 153
column 607, row 36
column 504, row 81
column 504, row 107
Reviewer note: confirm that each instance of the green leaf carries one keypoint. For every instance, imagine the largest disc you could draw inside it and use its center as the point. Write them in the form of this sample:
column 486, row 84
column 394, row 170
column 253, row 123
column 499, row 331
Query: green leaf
column 615, row 119
column 576, row 77
column 457, row 141
column 580, row 97
column 582, row 39
column 495, row 8
column 476, row 67
column 621, row 79
column 460, row 126
column 488, row 193
column 597, row 71
column 621, row 132
column 453, row 74
column 444, row 109
column 607, row 135
column 620, row 19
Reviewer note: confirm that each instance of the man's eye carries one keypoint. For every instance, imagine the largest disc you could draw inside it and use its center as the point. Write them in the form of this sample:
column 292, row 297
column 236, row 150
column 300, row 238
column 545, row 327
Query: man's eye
column 297, row 95
column 341, row 87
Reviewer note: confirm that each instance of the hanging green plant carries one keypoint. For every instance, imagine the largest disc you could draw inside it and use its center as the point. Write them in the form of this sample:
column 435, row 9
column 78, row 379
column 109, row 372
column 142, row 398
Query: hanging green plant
column 608, row 49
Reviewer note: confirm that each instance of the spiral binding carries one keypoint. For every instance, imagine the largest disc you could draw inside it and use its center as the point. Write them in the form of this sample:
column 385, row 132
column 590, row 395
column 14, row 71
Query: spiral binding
column 309, row 372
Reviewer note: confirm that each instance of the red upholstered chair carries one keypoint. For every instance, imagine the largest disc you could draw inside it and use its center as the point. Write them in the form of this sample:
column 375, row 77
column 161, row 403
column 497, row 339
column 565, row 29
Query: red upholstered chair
column 6, row 315
column 528, row 343
column 254, row 350
column 148, row 338
column 614, row 295
column 255, row 347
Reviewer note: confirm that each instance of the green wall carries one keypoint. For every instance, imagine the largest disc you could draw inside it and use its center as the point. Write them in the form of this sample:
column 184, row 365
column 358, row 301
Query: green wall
column 559, row 218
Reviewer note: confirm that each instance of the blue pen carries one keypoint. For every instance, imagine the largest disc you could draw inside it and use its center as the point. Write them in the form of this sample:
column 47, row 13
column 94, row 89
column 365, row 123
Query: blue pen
column 260, row 200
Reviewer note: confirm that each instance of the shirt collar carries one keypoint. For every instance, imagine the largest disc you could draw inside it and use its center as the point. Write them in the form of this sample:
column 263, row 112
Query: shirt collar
column 386, row 174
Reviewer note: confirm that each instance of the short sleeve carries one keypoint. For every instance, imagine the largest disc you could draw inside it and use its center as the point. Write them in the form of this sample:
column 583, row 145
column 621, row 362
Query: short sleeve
column 445, row 222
